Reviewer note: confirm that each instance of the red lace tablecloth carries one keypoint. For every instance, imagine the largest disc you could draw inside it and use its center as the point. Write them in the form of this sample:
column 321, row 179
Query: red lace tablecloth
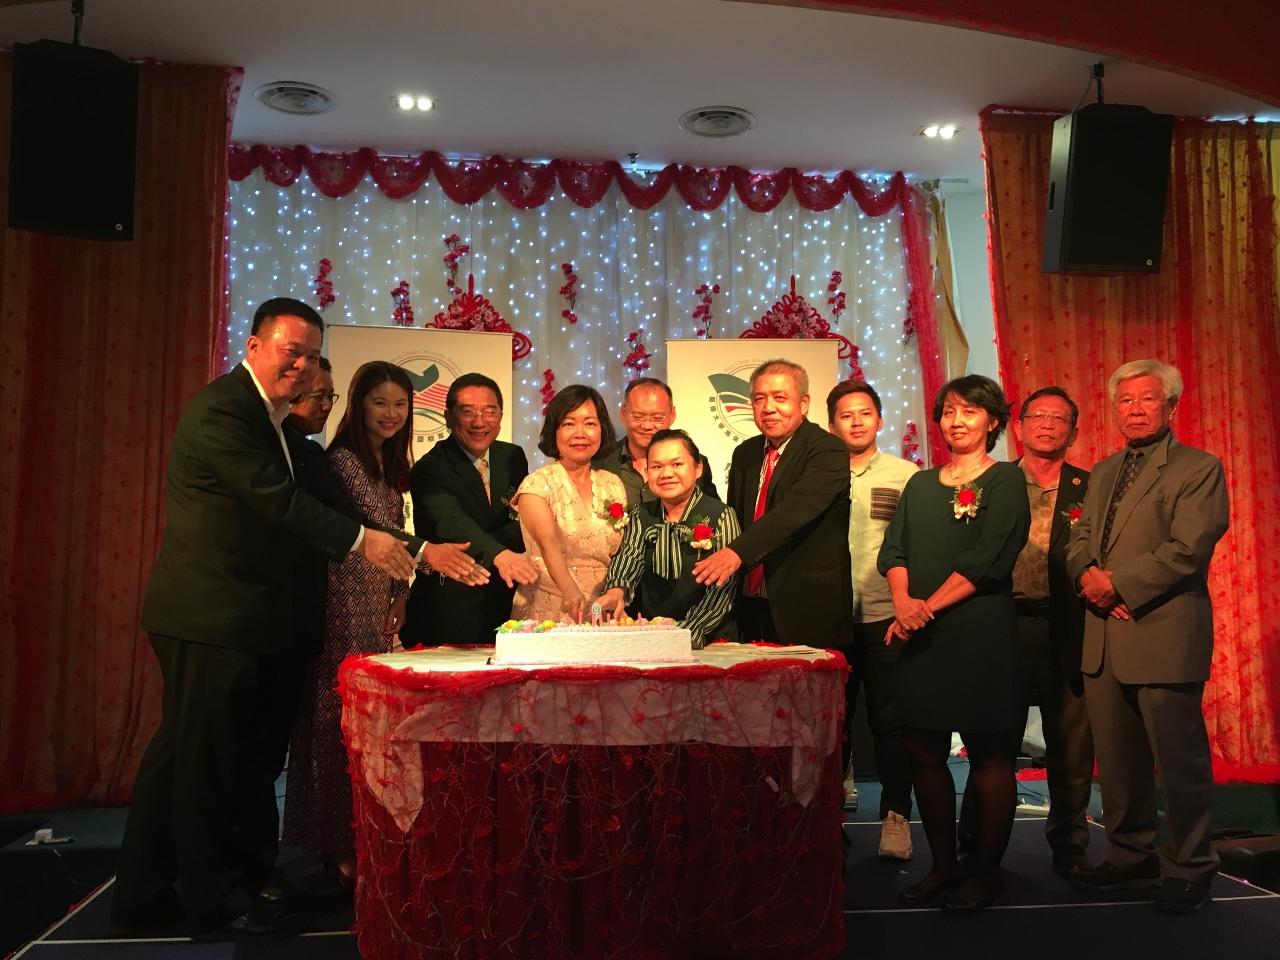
column 605, row 811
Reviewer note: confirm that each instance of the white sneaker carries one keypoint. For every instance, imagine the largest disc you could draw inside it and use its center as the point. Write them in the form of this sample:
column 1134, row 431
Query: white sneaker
column 850, row 793
column 895, row 837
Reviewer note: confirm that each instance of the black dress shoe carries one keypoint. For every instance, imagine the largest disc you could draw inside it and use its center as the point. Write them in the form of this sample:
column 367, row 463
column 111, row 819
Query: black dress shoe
column 976, row 893
column 1182, row 896
column 1110, row 876
column 929, row 889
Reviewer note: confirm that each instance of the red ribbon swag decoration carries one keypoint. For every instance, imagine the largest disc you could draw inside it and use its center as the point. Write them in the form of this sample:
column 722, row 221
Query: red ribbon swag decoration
column 470, row 311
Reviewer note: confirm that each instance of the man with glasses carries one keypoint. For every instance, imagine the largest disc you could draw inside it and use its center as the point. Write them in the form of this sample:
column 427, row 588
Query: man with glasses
column 1140, row 556
column 461, row 491
column 647, row 407
column 1051, row 617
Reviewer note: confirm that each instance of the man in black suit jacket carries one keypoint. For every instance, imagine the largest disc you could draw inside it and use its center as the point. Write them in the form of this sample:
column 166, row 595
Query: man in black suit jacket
column 1051, row 618
column 798, row 587
column 461, row 490
column 219, row 613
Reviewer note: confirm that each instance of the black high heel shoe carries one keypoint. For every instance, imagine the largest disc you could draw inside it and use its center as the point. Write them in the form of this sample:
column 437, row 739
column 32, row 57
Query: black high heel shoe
column 929, row 889
column 974, row 894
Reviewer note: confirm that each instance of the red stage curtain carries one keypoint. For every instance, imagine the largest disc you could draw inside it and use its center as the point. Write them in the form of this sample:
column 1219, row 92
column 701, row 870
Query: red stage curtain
column 1211, row 311
column 103, row 344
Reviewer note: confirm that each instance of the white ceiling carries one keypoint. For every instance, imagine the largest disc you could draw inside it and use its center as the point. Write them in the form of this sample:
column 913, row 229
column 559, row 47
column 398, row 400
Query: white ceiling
column 597, row 79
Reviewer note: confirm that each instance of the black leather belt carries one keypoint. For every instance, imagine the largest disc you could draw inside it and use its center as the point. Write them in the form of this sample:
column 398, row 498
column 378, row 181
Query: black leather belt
column 1028, row 607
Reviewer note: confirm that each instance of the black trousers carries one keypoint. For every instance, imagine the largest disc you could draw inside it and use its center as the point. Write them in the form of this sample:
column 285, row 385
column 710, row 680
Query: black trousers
column 1068, row 738
column 204, row 810
column 875, row 669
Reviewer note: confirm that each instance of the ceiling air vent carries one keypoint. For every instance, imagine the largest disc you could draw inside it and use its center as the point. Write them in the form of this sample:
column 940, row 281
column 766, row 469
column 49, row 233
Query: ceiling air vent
column 292, row 96
column 718, row 121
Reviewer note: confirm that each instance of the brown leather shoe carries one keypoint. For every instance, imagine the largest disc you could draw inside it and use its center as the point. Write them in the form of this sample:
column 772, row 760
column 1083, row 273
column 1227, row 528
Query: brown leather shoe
column 1110, row 876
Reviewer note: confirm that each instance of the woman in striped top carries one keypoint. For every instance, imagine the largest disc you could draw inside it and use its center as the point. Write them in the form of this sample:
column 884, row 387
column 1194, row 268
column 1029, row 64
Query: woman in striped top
column 651, row 574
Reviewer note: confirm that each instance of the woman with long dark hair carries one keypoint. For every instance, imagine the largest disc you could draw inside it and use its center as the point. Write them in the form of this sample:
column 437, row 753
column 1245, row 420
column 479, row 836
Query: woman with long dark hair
column 948, row 555
column 369, row 454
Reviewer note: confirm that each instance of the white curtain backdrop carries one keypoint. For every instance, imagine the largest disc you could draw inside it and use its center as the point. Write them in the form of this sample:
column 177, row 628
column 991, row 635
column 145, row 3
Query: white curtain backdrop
column 638, row 269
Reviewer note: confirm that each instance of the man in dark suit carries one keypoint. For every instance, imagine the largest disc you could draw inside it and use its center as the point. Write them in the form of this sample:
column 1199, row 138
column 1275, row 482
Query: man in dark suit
column 219, row 613
column 1051, row 617
column 1140, row 554
column 647, row 407
column 461, row 491
column 790, row 488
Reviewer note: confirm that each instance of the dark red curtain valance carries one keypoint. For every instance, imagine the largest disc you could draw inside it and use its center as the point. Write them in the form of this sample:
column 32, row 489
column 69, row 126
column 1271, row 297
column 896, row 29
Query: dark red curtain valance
column 526, row 185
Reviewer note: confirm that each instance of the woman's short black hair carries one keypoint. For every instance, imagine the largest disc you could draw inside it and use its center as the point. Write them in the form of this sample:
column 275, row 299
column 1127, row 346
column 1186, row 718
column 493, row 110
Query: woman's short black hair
column 565, row 402
column 672, row 433
column 981, row 392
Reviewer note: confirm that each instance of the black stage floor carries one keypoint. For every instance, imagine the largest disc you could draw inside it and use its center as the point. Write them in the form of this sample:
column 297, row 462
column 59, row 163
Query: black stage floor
column 1039, row 915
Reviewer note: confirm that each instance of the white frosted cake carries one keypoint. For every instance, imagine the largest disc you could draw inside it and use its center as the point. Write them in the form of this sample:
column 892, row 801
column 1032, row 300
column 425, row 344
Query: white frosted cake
column 527, row 642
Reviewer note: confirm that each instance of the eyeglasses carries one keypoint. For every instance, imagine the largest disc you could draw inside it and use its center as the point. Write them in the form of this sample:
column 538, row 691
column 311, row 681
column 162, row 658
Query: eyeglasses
column 1045, row 416
column 647, row 420
column 320, row 396
column 1146, row 400
column 478, row 413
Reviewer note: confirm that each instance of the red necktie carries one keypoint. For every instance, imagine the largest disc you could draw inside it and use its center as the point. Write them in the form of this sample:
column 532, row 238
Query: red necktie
column 755, row 576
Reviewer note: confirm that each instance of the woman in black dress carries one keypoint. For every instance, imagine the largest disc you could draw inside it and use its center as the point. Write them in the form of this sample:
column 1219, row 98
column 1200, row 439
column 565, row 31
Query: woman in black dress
column 948, row 555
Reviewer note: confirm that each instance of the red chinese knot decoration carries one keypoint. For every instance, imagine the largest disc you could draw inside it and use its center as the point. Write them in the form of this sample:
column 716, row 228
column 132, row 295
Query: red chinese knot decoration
column 911, row 444
column 702, row 313
column 470, row 311
column 457, row 250
column 637, row 361
column 404, row 309
column 548, row 388
column 569, row 291
column 324, row 286
column 793, row 318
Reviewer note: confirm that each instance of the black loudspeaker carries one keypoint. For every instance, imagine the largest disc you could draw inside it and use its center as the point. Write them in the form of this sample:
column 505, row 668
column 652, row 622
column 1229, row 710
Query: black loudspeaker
column 1107, row 179
column 73, row 141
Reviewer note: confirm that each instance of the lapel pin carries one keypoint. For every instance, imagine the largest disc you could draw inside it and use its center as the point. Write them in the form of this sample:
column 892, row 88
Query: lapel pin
column 1075, row 481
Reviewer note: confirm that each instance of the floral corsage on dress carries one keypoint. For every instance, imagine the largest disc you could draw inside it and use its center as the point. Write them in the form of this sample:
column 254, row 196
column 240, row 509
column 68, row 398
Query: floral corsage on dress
column 966, row 501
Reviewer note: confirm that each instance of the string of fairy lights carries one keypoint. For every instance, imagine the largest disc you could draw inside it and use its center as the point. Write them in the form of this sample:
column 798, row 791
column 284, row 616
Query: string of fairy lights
column 638, row 270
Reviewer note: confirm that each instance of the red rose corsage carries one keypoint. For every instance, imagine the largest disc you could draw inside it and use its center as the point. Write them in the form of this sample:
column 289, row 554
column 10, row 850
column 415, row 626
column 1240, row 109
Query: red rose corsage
column 966, row 501
column 701, row 539
column 616, row 514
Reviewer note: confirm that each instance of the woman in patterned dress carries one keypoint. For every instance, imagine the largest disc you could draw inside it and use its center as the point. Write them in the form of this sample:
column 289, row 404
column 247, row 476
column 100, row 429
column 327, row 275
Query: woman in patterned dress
column 571, row 516
column 370, row 456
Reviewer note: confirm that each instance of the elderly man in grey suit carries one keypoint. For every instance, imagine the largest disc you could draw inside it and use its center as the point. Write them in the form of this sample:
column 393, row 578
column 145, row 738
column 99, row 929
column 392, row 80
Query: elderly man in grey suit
column 1140, row 557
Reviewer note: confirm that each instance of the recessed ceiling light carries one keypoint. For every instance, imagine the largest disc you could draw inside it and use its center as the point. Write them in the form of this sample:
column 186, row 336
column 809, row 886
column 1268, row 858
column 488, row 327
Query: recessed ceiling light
column 414, row 101
column 939, row 131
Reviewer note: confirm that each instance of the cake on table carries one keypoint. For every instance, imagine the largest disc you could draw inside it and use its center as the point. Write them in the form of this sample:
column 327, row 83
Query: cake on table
column 624, row 640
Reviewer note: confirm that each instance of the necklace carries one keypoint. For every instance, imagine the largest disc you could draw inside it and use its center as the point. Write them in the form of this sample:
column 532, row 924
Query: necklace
column 971, row 471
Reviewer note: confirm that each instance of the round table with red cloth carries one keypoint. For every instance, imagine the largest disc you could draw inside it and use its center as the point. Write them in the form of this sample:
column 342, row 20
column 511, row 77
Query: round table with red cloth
column 615, row 811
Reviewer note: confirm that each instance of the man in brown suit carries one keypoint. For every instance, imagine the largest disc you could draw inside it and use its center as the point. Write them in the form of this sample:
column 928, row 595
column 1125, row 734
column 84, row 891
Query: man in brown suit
column 1140, row 557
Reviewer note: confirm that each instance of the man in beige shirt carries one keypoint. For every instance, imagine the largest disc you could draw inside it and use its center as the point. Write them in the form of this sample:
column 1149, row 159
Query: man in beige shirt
column 876, row 480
